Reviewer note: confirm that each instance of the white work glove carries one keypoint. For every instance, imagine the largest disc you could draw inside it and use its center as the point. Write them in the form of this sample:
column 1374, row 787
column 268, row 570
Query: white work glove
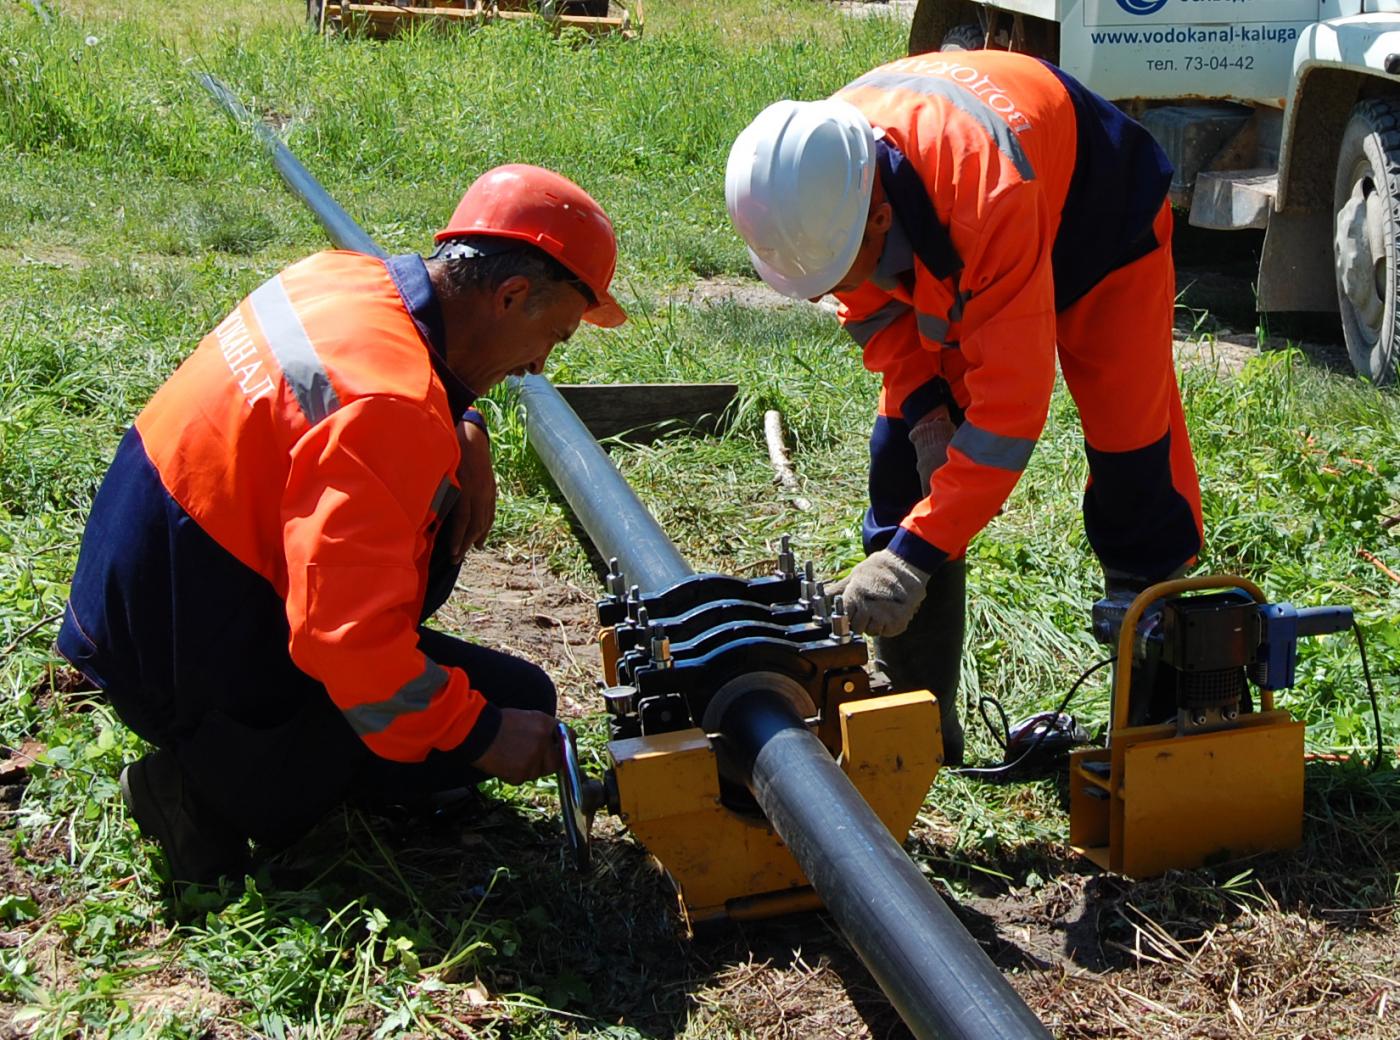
column 930, row 437
column 883, row 593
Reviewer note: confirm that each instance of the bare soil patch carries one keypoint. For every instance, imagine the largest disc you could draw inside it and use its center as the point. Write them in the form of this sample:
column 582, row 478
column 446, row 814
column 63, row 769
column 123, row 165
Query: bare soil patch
column 901, row 9
column 515, row 605
column 57, row 257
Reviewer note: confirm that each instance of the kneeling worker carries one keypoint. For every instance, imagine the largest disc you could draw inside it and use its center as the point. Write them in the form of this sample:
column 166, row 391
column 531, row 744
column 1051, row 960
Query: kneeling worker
column 973, row 213
column 296, row 500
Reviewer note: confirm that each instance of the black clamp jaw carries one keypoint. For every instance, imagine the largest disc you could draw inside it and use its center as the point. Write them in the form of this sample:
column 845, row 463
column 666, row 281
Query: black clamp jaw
column 683, row 650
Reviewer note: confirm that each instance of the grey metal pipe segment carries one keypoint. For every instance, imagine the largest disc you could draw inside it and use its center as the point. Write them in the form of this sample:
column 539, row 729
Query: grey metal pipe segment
column 339, row 225
column 605, row 504
column 936, row 976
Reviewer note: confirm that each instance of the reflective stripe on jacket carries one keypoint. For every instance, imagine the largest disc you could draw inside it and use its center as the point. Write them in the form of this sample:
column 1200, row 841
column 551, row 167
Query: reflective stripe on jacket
column 1043, row 188
column 309, row 439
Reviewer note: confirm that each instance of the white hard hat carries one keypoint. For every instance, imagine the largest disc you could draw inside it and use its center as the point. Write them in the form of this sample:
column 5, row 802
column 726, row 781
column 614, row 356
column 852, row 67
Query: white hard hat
column 798, row 190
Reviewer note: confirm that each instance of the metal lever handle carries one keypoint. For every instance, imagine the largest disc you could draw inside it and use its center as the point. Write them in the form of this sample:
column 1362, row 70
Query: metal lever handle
column 579, row 799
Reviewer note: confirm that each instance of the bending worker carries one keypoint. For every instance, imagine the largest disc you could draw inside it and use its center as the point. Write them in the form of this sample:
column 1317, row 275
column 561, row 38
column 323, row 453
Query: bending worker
column 972, row 212
column 296, row 500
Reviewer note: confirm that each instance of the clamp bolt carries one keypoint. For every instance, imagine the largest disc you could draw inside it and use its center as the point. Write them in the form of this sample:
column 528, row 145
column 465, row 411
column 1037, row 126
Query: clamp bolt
column 787, row 562
column 620, row 701
column 840, row 621
column 660, row 647
column 616, row 582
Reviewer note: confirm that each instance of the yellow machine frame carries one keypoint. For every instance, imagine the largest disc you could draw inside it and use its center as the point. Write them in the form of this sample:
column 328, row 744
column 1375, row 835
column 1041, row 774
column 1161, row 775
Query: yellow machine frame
column 1180, row 802
column 731, row 864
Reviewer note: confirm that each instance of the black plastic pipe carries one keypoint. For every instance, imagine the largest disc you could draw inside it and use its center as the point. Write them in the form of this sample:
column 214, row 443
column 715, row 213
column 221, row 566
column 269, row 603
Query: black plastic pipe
column 605, row 504
column 939, row 980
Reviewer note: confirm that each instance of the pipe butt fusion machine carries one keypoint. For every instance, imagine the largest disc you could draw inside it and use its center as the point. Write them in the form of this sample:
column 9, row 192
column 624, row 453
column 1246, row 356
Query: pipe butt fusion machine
column 676, row 662
column 1195, row 773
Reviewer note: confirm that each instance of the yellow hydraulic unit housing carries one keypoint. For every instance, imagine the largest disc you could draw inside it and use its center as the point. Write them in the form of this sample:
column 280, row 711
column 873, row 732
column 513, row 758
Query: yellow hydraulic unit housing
column 1219, row 780
column 672, row 664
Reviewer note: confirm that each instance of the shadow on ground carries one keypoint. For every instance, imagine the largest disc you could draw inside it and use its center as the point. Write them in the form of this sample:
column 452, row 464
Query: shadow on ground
column 603, row 947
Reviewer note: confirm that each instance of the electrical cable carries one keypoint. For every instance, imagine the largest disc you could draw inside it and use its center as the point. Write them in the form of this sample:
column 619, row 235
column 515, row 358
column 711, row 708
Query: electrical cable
column 1003, row 738
column 1370, row 692
column 994, row 772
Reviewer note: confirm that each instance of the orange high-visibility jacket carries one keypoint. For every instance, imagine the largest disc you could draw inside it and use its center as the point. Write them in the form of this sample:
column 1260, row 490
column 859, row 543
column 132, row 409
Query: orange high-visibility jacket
column 300, row 460
column 1042, row 189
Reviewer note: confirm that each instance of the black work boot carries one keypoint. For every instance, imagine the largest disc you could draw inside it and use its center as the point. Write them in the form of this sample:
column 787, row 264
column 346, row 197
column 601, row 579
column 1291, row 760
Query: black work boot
column 928, row 654
column 198, row 850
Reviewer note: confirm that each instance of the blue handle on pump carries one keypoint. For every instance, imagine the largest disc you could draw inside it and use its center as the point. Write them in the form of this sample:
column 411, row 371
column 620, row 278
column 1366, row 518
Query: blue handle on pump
column 1282, row 624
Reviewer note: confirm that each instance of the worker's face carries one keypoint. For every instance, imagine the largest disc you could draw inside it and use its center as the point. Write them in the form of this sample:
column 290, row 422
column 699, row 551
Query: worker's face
column 526, row 323
column 872, row 244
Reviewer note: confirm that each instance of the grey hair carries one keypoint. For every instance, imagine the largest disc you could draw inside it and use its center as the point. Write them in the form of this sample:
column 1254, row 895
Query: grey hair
column 484, row 262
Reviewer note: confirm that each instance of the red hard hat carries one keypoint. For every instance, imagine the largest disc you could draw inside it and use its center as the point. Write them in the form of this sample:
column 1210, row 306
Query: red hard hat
column 552, row 213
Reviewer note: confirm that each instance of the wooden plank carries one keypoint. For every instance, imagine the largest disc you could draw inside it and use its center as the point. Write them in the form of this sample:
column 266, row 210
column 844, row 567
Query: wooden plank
column 642, row 412
column 379, row 13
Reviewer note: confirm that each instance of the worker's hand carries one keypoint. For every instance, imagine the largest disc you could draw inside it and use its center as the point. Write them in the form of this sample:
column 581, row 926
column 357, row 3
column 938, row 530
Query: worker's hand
column 835, row 588
column 883, row 594
column 476, row 509
column 526, row 747
column 930, row 437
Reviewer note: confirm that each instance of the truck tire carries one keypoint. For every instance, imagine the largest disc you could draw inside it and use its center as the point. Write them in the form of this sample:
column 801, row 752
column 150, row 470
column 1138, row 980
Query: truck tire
column 1366, row 237
column 966, row 37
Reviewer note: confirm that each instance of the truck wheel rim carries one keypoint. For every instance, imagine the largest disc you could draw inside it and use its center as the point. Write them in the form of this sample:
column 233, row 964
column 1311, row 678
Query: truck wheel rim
column 1361, row 254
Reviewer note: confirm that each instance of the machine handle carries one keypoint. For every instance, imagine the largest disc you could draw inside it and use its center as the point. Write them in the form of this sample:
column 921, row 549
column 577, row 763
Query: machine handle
column 1321, row 621
column 579, row 799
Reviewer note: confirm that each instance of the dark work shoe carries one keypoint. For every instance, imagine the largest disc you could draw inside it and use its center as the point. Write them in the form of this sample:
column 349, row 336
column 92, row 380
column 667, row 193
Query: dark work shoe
column 198, row 851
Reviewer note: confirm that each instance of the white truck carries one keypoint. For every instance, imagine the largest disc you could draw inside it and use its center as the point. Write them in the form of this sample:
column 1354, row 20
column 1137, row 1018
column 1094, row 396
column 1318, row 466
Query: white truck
column 1282, row 115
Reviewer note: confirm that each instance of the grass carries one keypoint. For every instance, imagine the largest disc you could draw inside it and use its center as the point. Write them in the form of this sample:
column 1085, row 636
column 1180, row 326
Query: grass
column 133, row 215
